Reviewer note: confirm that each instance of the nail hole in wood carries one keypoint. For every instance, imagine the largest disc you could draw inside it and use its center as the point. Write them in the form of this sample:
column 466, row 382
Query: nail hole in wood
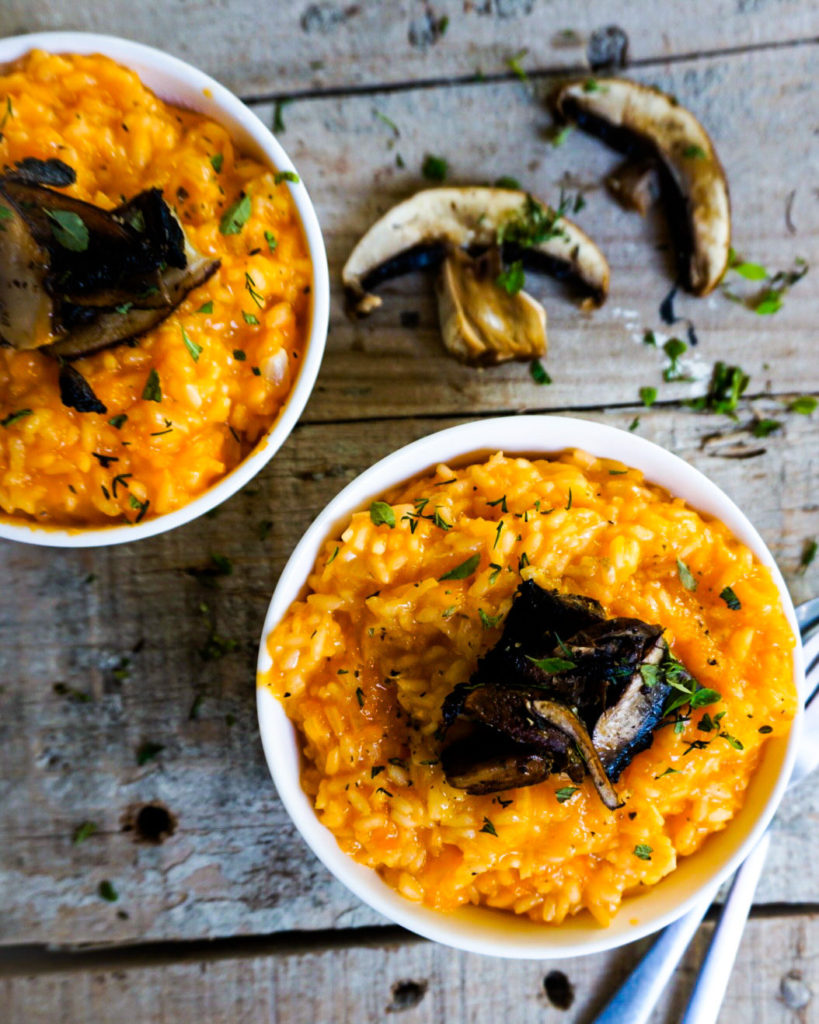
column 406, row 994
column 559, row 990
column 150, row 823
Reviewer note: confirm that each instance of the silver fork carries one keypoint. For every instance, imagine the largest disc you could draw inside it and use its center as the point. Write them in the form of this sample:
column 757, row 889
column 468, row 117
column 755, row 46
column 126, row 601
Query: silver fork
column 639, row 993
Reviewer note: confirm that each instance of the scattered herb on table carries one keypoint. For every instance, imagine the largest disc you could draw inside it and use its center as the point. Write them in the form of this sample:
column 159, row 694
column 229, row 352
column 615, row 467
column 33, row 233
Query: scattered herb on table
column 506, row 181
column 808, row 555
column 648, row 396
column 804, row 405
column 674, row 348
column 278, row 119
column 148, row 751
column 538, row 372
column 515, row 66
column 434, row 168
column 84, row 831
column 107, row 892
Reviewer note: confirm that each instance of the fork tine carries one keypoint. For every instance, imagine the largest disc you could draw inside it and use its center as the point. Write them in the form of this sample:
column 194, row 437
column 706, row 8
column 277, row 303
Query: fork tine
column 807, row 614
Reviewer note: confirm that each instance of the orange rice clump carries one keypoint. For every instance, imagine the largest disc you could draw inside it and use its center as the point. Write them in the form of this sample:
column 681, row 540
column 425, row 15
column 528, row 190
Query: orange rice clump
column 250, row 319
column 363, row 663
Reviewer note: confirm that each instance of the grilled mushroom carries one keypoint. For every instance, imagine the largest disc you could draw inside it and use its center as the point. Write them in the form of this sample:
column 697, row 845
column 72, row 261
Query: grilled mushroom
column 640, row 121
column 635, row 186
column 429, row 229
column 75, row 278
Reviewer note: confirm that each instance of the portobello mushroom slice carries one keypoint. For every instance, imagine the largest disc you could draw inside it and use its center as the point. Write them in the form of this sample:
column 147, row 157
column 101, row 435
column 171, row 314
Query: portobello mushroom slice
column 483, row 324
column 635, row 186
column 75, row 278
column 422, row 230
column 501, row 764
column 640, row 120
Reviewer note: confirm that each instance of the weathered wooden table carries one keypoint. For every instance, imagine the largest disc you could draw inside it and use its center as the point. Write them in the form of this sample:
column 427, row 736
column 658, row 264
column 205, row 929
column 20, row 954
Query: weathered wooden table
column 222, row 913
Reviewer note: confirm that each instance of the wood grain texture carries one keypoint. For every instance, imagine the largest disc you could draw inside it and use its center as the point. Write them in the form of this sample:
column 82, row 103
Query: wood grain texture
column 416, row 983
column 377, row 367
column 235, row 864
column 304, row 46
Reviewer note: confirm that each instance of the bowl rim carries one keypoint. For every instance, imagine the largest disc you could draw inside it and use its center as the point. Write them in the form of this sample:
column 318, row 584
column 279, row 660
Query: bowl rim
column 470, row 929
column 215, row 100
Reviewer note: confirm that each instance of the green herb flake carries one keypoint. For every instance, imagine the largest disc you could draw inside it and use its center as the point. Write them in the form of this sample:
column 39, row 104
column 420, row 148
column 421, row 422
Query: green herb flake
column 808, row 555
column 376, row 770
column 152, row 392
column 332, row 557
column 359, row 696
column 686, row 576
column 514, row 65
column 496, row 571
column 206, row 307
column 674, row 348
column 648, row 396
column 281, row 176
column 649, row 338
column 462, row 571
column 249, row 318
column 703, row 697
column 69, row 230
column 512, row 278
column 488, row 827
column 552, row 665
column 216, row 162
column 643, row 851
column 804, row 405
column 750, row 271
column 694, row 152
column 765, row 729
column 123, row 308
column 235, row 216
column 668, row 771
column 278, row 119
column 732, row 741
column 559, row 136
column 591, row 85
column 505, row 181
column 538, row 373
column 13, row 417
column 239, row 355
column 382, row 513
column 731, row 599
column 148, row 751
column 771, row 302
column 489, row 621
column 250, row 285
column 565, row 793
column 107, row 892
column 726, row 387
column 270, row 238
column 651, row 674
column 434, row 168
column 194, row 350
column 763, row 428
column 388, row 122
column 84, row 831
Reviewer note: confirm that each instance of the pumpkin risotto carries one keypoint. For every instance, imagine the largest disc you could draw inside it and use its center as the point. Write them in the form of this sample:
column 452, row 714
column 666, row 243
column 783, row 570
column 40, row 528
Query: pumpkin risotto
column 188, row 400
column 403, row 603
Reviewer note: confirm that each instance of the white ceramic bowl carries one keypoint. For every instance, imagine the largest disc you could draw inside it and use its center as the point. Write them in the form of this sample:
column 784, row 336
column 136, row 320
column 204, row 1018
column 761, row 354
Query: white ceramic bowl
column 177, row 82
column 481, row 930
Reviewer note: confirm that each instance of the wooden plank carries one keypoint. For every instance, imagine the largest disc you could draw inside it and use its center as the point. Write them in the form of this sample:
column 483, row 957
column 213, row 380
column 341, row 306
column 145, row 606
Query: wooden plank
column 334, row 44
column 754, row 106
column 234, row 864
column 772, row 983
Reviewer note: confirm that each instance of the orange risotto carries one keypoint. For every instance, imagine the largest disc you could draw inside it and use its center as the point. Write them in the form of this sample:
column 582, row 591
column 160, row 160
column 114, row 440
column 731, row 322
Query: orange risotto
column 189, row 399
column 363, row 664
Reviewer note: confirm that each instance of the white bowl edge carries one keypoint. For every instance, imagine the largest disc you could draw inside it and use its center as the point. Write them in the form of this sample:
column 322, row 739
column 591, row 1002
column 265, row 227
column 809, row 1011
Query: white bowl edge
column 480, row 930
column 177, row 82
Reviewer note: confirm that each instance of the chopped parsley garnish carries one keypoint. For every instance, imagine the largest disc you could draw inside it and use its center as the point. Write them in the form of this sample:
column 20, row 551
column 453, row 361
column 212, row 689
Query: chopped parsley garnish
column 496, row 571
column 489, row 621
column 462, row 571
column 771, row 302
column 514, row 65
column 538, row 373
column 13, row 417
column 565, row 793
column 592, row 85
column 194, row 350
column 651, row 674
column 499, row 501
column 727, row 385
column 804, row 405
column 648, row 396
column 216, row 162
column 694, row 152
column 381, row 512
column 497, row 534
column 808, row 555
column 152, row 392
column 142, row 506
column 765, row 729
column 732, row 741
column 488, row 827
column 257, row 297
column 763, row 428
column 552, row 665
column 674, row 348
column 239, row 355
column 69, row 230
column 123, row 308
column 649, row 338
column 569, row 502
column 388, row 122
column 206, row 307
column 107, row 892
column 235, row 216
column 559, row 136
column 376, row 770
column 512, row 278
column 9, row 112
column 359, row 696
column 507, row 182
column 332, row 557
column 249, row 318
column 281, row 176
column 686, row 576
column 278, row 120
column 386, row 792
column 668, row 771
column 270, row 238
column 148, row 751
column 750, row 271
column 534, row 225
column 635, row 423
column 731, row 599
column 84, row 831
column 434, row 168
column 643, row 851
column 217, row 646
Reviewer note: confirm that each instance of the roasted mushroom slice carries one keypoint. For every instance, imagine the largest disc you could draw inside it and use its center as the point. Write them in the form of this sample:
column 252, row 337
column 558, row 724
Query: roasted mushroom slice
column 483, row 324
column 640, row 120
column 483, row 761
column 627, row 727
column 75, row 278
column 635, row 186
column 423, row 229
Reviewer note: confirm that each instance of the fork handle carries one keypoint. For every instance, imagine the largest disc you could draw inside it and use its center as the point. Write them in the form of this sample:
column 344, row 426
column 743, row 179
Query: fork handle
column 712, row 981
column 638, row 995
